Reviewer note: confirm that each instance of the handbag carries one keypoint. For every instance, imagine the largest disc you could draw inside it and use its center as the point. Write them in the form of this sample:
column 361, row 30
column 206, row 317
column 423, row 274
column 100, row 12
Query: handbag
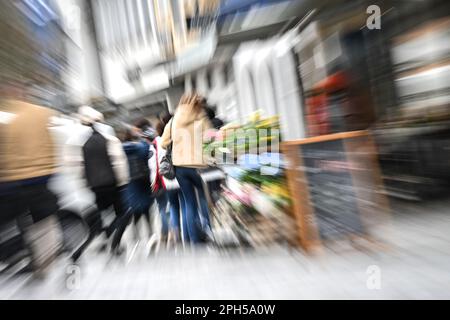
column 159, row 187
column 166, row 168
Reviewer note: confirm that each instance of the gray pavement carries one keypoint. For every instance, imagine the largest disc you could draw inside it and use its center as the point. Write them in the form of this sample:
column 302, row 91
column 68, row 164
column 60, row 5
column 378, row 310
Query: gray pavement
column 415, row 265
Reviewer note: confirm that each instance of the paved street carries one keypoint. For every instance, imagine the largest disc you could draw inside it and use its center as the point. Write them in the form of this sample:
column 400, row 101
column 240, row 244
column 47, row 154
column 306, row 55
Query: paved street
column 416, row 266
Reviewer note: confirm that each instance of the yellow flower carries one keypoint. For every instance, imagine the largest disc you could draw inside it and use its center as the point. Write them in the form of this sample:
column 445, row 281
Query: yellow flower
column 255, row 116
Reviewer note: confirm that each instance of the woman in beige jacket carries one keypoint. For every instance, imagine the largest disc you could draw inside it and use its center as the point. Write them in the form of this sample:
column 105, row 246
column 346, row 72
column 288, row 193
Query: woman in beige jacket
column 186, row 131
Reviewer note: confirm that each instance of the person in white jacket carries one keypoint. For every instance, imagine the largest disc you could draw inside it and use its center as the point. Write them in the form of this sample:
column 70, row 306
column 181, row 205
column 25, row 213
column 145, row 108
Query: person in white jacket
column 166, row 191
column 97, row 162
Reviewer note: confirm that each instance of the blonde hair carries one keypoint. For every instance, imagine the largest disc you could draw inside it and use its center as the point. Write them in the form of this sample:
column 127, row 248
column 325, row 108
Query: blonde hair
column 194, row 100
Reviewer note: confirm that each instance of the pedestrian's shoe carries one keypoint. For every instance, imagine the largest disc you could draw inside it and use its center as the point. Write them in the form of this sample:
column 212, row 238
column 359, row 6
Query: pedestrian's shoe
column 207, row 236
column 75, row 257
column 118, row 251
column 164, row 239
column 173, row 238
column 26, row 270
column 39, row 275
column 103, row 247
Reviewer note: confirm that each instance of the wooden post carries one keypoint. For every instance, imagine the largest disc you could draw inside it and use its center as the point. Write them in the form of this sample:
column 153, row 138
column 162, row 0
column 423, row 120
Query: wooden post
column 297, row 183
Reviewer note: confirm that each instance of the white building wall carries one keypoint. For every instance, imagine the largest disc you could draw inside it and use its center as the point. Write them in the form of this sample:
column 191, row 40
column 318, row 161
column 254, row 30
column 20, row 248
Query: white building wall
column 229, row 108
column 245, row 82
column 83, row 77
column 217, row 95
column 264, row 85
column 127, row 41
column 202, row 82
column 288, row 92
column 223, row 95
column 220, row 94
column 188, row 83
column 266, row 79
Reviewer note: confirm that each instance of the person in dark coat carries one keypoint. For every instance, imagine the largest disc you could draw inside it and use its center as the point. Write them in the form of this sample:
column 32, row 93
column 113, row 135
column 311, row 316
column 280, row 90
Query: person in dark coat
column 138, row 196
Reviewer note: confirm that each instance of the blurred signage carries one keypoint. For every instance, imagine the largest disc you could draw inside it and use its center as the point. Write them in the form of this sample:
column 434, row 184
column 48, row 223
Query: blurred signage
column 233, row 6
column 331, row 188
column 327, row 176
column 196, row 56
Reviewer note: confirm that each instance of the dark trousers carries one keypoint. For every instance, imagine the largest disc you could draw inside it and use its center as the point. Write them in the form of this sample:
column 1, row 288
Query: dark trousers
column 191, row 183
column 177, row 211
column 113, row 196
column 138, row 199
column 21, row 200
column 106, row 197
column 34, row 199
column 94, row 221
column 146, row 214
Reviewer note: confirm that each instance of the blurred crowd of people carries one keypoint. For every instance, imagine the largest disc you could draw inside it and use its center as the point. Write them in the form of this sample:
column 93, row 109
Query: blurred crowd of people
column 119, row 171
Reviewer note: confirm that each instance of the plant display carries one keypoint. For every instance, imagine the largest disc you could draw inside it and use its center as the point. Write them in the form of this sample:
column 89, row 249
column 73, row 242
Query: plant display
column 255, row 202
column 256, row 136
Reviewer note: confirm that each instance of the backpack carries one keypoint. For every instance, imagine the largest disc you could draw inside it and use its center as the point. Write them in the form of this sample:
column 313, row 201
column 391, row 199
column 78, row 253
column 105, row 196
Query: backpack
column 97, row 163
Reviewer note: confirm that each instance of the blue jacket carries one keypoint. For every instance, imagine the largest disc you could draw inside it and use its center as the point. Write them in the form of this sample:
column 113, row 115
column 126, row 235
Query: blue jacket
column 138, row 153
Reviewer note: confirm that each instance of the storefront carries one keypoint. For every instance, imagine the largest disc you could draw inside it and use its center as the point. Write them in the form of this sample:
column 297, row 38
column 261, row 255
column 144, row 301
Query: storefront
column 413, row 135
column 393, row 81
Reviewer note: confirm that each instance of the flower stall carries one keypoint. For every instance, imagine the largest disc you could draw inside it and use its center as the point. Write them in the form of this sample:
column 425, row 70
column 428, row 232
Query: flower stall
column 254, row 205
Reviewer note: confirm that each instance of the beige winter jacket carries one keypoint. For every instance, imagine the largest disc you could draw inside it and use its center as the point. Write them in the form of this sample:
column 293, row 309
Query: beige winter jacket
column 27, row 149
column 187, row 132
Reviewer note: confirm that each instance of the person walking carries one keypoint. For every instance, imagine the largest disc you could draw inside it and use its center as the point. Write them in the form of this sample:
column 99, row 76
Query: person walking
column 27, row 163
column 169, row 192
column 98, row 159
column 138, row 192
column 186, row 131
